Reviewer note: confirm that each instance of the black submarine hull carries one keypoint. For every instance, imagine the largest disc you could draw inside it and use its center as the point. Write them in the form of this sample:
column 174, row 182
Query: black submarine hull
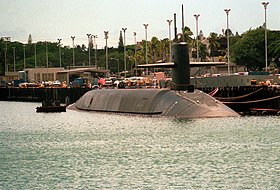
column 161, row 102
column 179, row 101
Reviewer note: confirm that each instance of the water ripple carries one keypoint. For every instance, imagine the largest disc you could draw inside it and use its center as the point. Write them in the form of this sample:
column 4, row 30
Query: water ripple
column 88, row 150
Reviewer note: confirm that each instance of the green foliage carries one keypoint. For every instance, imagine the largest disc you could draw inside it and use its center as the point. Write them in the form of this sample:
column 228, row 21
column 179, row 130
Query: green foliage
column 249, row 49
column 214, row 45
column 154, row 47
column 157, row 50
column 274, row 47
column 202, row 51
column 186, row 36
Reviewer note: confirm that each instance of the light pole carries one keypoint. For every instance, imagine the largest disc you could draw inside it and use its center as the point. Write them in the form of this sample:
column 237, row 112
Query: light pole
column 89, row 44
column 265, row 33
column 227, row 12
column 196, row 18
column 14, row 53
column 35, row 55
column 5, row 52
column 6, row 39
column 124, row 52
column 118, row 66
column 169, row 24
column 146, row 26
column 146, row 36
column 47, row 60
column 106, row 38
column 183, row 25
column 59, row 52
column 73, row 38
column 24, row 63
column 95, row 48
column 135, row 47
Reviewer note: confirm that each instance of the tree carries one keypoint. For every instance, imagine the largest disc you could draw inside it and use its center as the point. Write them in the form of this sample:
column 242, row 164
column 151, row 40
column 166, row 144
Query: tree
column 213, row 44
column 186, row 36
column 203, row 52
column 249, row 50
column 228, row 32
column 131, row 59
column 274, row 46
column 154, row 46
column 121, row 44
column 29, row 39
column 164, row 47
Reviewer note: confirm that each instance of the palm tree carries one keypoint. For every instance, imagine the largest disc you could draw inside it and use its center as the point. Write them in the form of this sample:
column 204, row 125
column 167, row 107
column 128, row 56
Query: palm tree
column 203, row 52
column 140, row 56
column 187, row 33
column 154, row 46
column 213, row 44
column 164, row 48
column 131, row 59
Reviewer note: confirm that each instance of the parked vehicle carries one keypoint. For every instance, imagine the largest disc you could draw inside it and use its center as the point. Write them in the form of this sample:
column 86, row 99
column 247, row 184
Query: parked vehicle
column 79, row 83
column 108, row 82
column 56, row 83
column 3, row 84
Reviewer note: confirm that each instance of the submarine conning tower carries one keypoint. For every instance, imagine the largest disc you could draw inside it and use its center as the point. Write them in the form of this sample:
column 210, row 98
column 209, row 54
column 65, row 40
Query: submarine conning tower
column 180, row 65
column 181, row 69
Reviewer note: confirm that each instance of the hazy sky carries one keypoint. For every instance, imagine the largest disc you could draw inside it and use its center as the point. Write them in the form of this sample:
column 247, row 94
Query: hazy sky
column 52, row 19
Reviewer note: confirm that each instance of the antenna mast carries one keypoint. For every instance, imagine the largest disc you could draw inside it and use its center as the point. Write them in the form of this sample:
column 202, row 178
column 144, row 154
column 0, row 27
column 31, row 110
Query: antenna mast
column 183, row 25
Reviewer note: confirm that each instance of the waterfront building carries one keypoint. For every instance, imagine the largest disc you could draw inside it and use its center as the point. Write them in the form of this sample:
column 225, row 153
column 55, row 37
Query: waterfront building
column 53, row 74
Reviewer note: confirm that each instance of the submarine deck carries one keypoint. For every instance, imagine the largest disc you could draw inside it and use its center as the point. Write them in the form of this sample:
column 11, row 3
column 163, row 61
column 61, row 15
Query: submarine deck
column 163, row 102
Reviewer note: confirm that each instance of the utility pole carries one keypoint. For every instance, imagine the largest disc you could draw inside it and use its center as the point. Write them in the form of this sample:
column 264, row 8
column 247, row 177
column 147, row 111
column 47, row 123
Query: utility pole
column 35, row 55
column 169, row 24
column 196, row 18
column 73, row 38
column 146, row 27
column 227, row 12
column 59, row 52
column 14, row 53
column 106, row 48
column 265, row 34
column 89, row 37
column 95, row 49
column 24, row 63
column 47, row 60
column 124, row 52
column 135, row 48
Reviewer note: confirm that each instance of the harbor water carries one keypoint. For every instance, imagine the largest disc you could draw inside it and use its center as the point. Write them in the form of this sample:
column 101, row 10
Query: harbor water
column 89, row 150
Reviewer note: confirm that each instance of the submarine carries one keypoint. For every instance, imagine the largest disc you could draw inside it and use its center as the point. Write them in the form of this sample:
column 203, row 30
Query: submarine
column 179, row 101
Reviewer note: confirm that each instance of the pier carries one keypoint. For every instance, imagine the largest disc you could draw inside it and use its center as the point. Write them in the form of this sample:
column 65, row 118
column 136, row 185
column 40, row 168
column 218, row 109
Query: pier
column 40, row 94
column 242, row 99
column 248, row 99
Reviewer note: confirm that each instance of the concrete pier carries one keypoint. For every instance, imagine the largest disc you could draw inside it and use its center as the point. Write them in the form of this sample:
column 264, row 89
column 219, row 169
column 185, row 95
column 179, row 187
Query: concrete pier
column 39, row 94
